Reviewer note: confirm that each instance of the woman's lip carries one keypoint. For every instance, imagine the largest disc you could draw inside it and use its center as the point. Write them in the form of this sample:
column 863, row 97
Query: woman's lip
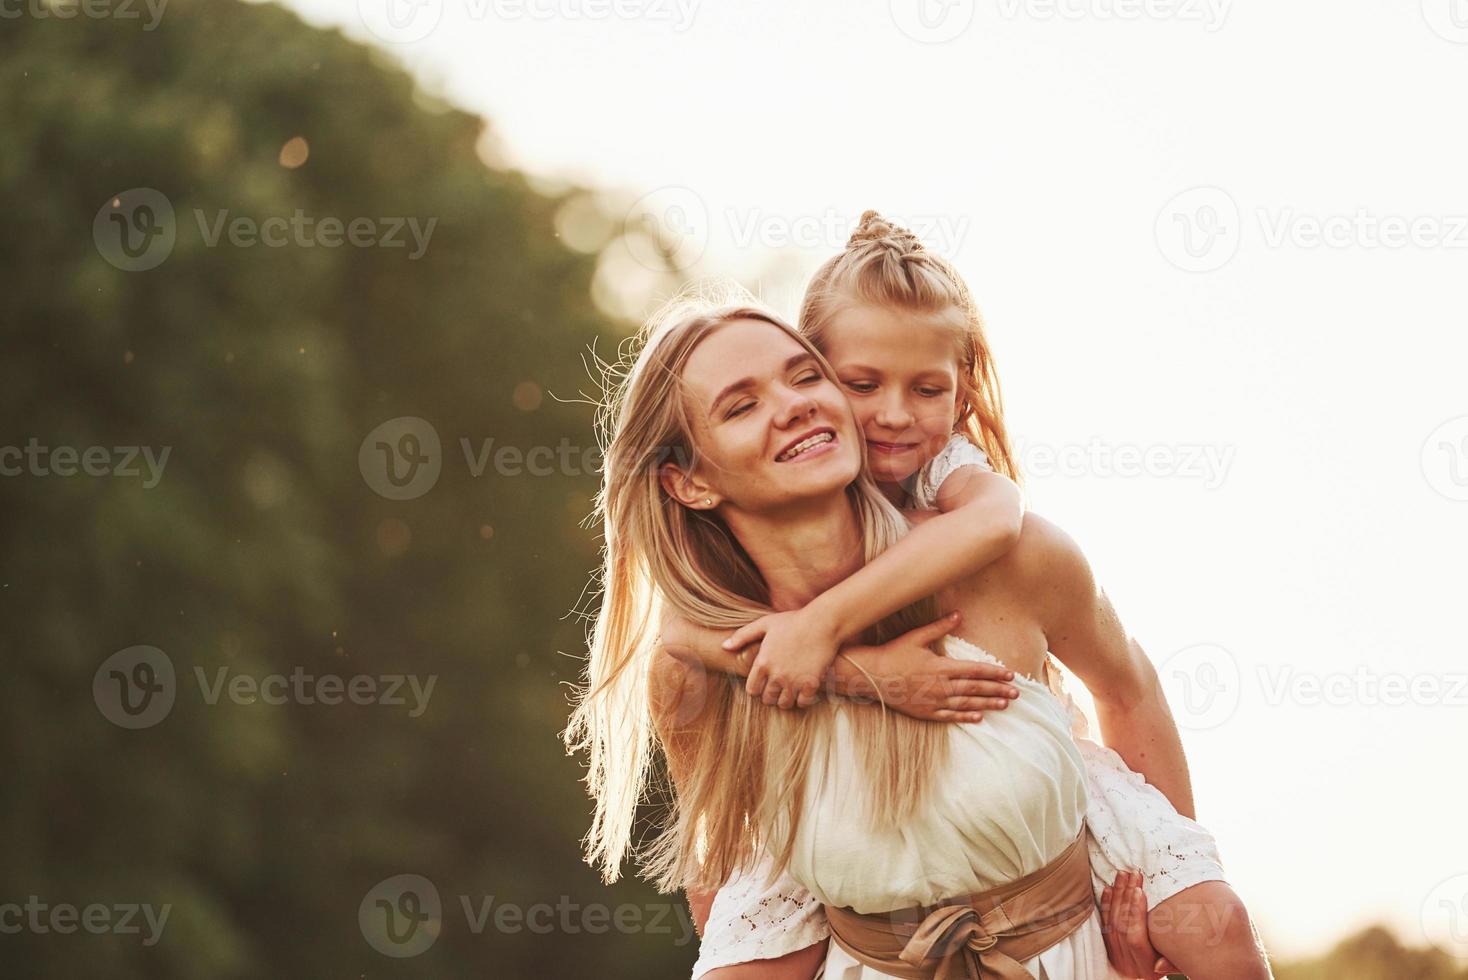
column 820, row 449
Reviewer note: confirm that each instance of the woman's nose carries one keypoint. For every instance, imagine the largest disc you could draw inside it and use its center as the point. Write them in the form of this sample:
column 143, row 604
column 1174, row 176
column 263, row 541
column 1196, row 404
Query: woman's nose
column 797, row 407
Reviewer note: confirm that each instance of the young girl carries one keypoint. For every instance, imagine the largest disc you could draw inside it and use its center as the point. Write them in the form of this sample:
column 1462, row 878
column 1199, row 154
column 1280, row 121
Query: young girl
column 904, row 337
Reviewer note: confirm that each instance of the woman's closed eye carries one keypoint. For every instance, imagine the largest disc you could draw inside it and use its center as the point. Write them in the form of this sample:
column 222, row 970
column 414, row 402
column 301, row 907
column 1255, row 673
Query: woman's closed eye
column 739, row 409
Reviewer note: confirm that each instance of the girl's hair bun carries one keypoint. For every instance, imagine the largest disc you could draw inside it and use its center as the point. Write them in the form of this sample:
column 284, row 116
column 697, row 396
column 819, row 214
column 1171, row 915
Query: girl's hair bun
column 875, row 228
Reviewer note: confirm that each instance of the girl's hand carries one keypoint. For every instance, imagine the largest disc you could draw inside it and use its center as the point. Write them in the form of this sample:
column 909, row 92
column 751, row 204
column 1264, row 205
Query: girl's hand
column 1124, row 929
column 914, row 680
column 796, row 648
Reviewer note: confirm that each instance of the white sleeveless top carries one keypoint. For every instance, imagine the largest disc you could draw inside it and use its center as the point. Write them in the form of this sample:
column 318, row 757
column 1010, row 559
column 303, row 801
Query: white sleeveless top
column 958, row 452
column 1013, row 799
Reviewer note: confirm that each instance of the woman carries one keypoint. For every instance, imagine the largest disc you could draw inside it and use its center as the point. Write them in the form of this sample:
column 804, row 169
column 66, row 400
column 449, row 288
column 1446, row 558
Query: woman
column 880, row 816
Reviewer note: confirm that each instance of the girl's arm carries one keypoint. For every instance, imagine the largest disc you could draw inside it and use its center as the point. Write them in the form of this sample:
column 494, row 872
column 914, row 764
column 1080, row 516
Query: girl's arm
column 904, row 673
column 981, row 516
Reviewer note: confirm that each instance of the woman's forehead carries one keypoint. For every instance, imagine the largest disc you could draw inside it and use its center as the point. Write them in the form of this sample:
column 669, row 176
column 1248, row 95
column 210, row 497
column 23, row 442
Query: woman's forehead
column 739, row 349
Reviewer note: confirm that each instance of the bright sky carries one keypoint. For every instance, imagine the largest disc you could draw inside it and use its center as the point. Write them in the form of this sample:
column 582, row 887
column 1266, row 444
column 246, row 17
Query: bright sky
column 1282, row 352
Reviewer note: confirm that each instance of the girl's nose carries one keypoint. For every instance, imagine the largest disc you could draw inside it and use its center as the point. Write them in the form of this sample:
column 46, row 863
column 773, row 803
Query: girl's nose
column 894, row 415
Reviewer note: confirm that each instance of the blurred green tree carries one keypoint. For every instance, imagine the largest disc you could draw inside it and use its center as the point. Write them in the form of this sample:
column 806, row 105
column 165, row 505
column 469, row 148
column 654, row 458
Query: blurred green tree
column 263, row 549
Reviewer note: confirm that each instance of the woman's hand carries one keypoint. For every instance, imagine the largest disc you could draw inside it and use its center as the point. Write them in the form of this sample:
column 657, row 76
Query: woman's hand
column 910, row 678
column 1124, row 929
column 796, row 648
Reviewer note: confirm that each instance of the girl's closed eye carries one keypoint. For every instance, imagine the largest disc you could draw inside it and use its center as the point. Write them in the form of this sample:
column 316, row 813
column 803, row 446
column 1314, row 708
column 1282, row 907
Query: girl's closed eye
column 861, row 387
column 929, row 391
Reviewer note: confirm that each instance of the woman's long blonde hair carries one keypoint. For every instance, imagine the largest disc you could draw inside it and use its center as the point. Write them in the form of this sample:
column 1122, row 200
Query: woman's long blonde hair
column 743, row 786
column 886, row 265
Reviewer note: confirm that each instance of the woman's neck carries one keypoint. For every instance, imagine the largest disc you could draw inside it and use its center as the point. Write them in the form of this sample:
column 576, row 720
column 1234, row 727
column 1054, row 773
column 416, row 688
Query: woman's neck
column 801, row 552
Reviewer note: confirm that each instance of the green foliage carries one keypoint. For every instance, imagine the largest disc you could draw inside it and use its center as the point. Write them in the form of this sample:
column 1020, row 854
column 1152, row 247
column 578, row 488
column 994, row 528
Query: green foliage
column 262, row 548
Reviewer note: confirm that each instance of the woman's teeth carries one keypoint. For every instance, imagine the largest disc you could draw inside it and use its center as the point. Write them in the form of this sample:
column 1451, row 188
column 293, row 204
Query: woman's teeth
column 803, row 445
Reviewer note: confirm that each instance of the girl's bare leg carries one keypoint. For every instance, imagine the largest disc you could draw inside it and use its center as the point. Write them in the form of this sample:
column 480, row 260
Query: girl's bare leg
column 1207, row 934
column 799, row 965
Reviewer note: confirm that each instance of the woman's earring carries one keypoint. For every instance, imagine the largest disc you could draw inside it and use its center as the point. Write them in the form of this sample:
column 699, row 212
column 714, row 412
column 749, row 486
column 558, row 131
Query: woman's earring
column 708, row 501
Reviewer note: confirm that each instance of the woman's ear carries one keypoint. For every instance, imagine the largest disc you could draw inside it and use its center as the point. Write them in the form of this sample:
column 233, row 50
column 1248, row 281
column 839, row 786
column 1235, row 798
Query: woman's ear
column 687, row 488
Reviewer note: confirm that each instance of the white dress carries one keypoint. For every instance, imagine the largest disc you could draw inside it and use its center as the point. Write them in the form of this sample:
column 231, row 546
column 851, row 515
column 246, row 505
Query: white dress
column 1130, row 824
column 1013, row 799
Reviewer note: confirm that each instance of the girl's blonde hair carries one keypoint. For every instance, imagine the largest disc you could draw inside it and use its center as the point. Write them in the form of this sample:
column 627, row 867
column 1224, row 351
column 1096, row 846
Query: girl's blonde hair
column 743, row 786
column 886, row 265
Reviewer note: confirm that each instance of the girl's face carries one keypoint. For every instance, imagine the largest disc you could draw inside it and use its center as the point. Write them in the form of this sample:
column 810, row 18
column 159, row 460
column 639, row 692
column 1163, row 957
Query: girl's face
column 900, row 371
column 772, row 429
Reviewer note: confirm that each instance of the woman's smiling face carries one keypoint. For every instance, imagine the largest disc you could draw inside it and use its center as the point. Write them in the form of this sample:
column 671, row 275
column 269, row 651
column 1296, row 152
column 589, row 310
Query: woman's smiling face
column 900, row 371
column 772, row 429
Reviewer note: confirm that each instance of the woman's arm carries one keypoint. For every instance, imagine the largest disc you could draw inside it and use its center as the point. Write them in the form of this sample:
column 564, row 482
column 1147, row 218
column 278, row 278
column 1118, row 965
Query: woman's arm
column 678, row 711
column 904, row 673
column 982, row 513
column 1084, row 632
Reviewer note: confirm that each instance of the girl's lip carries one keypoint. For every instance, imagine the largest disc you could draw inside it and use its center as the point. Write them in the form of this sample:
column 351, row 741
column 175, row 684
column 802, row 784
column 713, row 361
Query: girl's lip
column 891, row 447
